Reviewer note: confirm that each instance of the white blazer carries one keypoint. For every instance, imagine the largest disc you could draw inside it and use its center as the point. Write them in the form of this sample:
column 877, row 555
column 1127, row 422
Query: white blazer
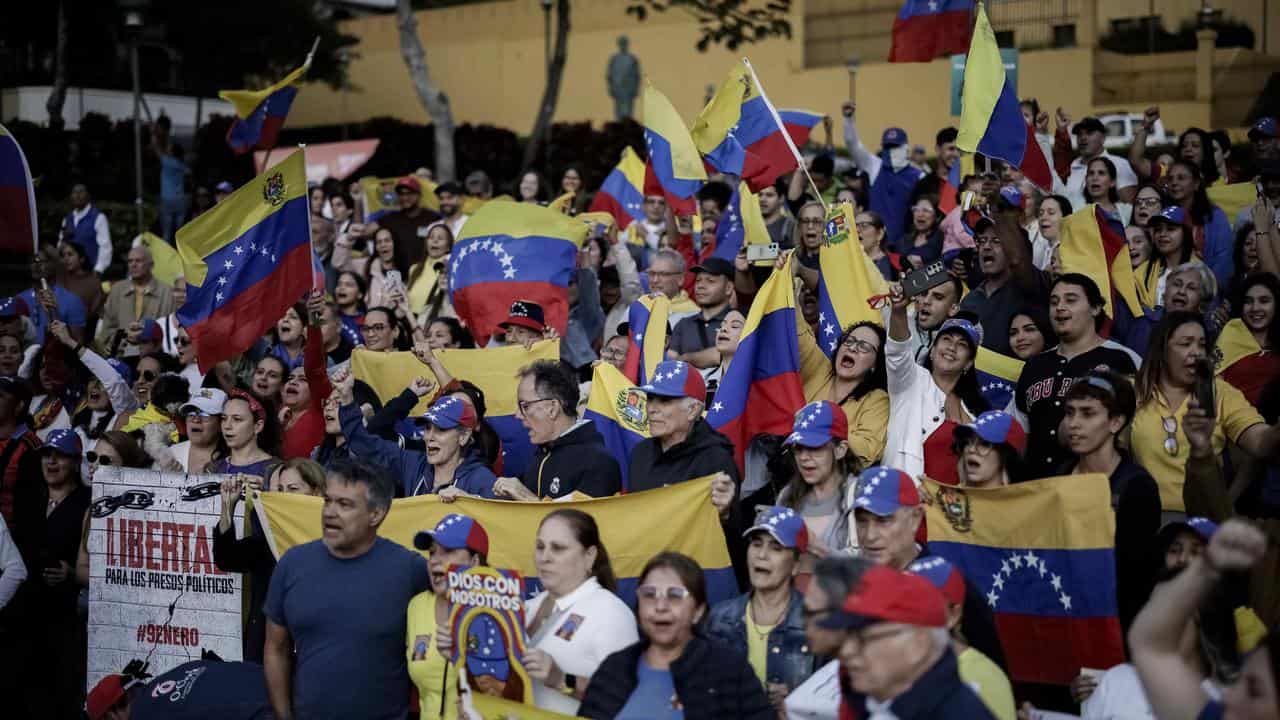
column 916, row 408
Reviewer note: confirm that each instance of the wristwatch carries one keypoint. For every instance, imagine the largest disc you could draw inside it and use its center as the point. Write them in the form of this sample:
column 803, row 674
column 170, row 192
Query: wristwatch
column 570, row 685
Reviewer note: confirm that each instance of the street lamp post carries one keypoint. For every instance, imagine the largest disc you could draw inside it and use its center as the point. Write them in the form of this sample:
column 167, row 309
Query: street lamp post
column 133, row 25
column 546, row 69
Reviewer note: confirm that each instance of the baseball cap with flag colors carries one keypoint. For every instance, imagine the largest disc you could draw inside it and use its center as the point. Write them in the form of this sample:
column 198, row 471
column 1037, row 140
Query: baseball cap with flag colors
column 817, row 424
column 449, row 412
column 943, row 575
column 881, row 491
column 888, row 595
column 675, row 379
column 996, row 428
column 784, row 525
column 454, row 532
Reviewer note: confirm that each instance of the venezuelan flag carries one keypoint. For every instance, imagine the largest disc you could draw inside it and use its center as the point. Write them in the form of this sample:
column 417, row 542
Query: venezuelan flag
column 742, row 223
column 17, row 198
column 621, row 195
column 762, row 390
column 633, row 528
column 799, row 124
column 246, row 262
column 1094, row 245
column 1233, row 198
column 380, row 196
column 493, row 370
column 1235, row 343
column 261, row 113
column 1043, row 554
column 647, row 321
column 674, row 164
column 513, row 251
column 850, row 285
column 997, row 377
column 766, row 134
column 991, row 121
column 925, row 29
column 713, row 130
column 618, row 410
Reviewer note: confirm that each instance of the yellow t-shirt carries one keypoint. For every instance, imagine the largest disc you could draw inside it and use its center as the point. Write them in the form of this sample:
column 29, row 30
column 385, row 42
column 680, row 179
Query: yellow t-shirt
column 989, row 682
column 430, row 671
column 868, row 416
column 1249, row 629
column 758, row 646
column 1235, row 415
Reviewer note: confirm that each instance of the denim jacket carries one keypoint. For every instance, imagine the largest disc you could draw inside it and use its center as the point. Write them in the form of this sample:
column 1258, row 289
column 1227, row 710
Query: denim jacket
column 789, row 660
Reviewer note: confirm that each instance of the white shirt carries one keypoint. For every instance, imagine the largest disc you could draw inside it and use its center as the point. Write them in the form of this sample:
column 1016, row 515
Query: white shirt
column 817, row 698
column 1125, row 177
column 1119, row 695
column 915, row 408
column 455, row 225
column 12, row 569
column 103, row 233
column 585, row 627
column 182, row 453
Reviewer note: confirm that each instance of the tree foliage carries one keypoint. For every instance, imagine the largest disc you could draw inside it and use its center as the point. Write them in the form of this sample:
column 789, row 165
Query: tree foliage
column 725, row 22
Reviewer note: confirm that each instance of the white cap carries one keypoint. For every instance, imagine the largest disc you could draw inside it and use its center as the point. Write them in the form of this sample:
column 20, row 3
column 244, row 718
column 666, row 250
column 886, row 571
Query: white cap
column 205, row 401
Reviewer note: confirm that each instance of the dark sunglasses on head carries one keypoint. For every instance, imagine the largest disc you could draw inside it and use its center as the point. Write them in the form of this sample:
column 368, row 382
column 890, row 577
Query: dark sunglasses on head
column 96, row 459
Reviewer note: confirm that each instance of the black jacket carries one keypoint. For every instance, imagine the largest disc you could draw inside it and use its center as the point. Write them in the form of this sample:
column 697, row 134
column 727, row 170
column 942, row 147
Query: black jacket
column 939, row 694
column 711, row 682
column 704, row 452
column 577, row 460
column 251, row 556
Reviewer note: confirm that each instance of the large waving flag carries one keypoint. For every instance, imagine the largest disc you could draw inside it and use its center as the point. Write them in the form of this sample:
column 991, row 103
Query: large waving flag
column 997, row 377
column 246, row 262
column 991, row 121
column 1043, row 554
column 493, row 370
column 850, row 287
column 647, row 321
column 636, row 527
column 674, row 162
column 926, row 29
column 762, row 390
column 1233, row 198
column 617, row 408
column 622, row 193
column 713, row 130
column 512, row 251
column 1094, row 245
column 17, row 198
column 799, row 124
column 741, row 224
column 764, row 133
column 261, row 113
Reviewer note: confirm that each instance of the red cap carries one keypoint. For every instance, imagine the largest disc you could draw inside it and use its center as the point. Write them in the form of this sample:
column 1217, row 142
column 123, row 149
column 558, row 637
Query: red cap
column 888, row 595
column 411, row 182
column 104, row 696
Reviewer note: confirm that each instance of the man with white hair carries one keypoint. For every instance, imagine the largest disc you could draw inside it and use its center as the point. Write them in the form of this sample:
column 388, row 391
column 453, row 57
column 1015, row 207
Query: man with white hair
column 666, row 276
column 681, row 445
column 139, row 296
column 897, row 652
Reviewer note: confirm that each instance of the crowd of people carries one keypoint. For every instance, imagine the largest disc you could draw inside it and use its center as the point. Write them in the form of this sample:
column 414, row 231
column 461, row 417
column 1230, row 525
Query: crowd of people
column 845, row 611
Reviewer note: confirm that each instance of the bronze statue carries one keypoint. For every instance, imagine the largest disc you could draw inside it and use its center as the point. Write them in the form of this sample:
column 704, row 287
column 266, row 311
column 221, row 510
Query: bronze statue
column 623, row 77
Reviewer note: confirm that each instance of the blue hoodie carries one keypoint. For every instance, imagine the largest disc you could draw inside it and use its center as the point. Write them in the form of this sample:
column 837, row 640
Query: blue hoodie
column 416, row 475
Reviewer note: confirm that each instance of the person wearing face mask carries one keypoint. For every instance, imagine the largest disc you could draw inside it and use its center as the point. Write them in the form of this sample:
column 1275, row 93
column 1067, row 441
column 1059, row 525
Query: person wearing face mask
column 990, row 450
column 818, row 697
column 576, row 621
column 455, row 540
column 204, row 444
column 1165, row 387
column 890, row 173
column 674, row 671
column 766, row 623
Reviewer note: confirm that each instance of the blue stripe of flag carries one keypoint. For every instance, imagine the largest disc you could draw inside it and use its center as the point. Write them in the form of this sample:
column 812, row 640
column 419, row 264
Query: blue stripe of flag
column 1051, row 583
column 498, row 258
column 661, row 160
column 772, row 346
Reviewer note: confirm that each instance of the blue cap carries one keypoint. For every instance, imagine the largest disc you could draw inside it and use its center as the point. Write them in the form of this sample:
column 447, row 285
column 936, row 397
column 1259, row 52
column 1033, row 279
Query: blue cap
column 14, row 306
column 151, row 331
column 449, row 412
column 1265, row 127
column 882, row 490
column 63, row 441
column 996, row 428
column 893, row 136
column 817, row 424
column 1173, row 214
column 676, row 379
column 944, row 576
column 454, row 532
column 122, row 369
column 1013, row 196
column 1203, row 526
column 971, row 331
column 784, row 525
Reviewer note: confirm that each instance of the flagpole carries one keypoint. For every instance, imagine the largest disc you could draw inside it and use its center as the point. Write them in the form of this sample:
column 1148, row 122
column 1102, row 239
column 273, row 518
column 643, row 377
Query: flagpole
column 786, row 135
column 311, row 239
column 266, row 159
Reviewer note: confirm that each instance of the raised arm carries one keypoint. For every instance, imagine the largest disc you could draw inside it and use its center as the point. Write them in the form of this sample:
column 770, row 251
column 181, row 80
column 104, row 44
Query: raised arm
column 863, row 158
column 1138, row 150
column 118, row 391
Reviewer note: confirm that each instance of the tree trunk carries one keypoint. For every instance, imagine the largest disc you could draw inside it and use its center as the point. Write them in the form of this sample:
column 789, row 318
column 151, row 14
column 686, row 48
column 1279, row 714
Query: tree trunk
column 58, row 95
column 431, row 97
column 551, row 94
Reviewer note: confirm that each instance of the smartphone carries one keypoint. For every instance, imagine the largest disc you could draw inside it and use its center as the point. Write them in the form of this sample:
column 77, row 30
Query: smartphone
column 394, row 281
column 967, row 199
column 1204, row 386
column 761, row 254
column 920, row 280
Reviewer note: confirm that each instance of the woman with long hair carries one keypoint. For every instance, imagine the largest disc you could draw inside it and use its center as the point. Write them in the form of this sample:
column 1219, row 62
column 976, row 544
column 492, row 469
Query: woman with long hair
column 269, row 376
column 302, row 399
column 531, row 188
column 674, row 665
column 204, row 444
column 1045, row 234
column 252, row 435
column 1250, row 342
column 1147, row 203
column 990, row 451
column 76, row 274
column 427, row 281
column 446, row 333
column 107, row 394
column 928, row 403
column 387, row 257
column 290, row 332
column 1139, row 242
column 1171, row 246
column 1030, row 332
column 349, row 295
column 1100, row 189
column 115, row 449
column 577, row 620
column 1210, row 228
column 921, row 244
column 727, row 339
column 1165, row 388
column 854, row 378
column 808, row 237
column 824, row 470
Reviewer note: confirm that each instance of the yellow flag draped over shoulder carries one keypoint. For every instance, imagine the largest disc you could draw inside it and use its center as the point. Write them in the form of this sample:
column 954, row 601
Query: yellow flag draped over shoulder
column 167, row 263
column 633, row 528
column 850, row 284
column 1233, row 198
column 1235, row 343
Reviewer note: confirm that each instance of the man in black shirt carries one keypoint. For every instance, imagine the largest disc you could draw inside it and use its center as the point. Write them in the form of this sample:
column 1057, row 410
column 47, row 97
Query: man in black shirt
column 693, row 339
column 1077, row 311
column 409, row 224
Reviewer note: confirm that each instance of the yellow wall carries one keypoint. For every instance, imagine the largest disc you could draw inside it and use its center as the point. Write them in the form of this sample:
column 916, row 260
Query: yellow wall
column 488, row 58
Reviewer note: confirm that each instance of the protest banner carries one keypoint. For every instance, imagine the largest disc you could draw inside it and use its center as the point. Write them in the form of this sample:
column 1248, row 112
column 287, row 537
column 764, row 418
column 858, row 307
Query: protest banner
column 487, row 623
column 154, row 590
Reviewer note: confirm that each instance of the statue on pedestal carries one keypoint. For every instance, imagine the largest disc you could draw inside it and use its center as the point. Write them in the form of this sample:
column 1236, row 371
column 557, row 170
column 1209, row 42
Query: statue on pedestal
column 623, row 77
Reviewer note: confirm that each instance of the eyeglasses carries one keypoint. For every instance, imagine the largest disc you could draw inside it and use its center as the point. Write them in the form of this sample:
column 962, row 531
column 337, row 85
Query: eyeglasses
column 862, row 347
column 612, row 353
column 1147, row 202
column 862, row 639
column 1170, row 425
column 982, row 242
column 812, row 221
column 664, row 273
column 675, row 593
column 374, row 328
column 97, row 459
column 147, row 375
column 524, row 405
column 862, row 225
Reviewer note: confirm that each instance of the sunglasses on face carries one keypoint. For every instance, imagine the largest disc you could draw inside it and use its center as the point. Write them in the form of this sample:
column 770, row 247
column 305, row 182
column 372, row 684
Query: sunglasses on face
column 97, row 459
column 148, row 375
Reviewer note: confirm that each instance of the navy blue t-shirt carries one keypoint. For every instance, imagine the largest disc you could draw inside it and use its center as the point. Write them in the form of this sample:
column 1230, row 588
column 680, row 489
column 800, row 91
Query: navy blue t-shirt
column 347, row 620
column 204, row 690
